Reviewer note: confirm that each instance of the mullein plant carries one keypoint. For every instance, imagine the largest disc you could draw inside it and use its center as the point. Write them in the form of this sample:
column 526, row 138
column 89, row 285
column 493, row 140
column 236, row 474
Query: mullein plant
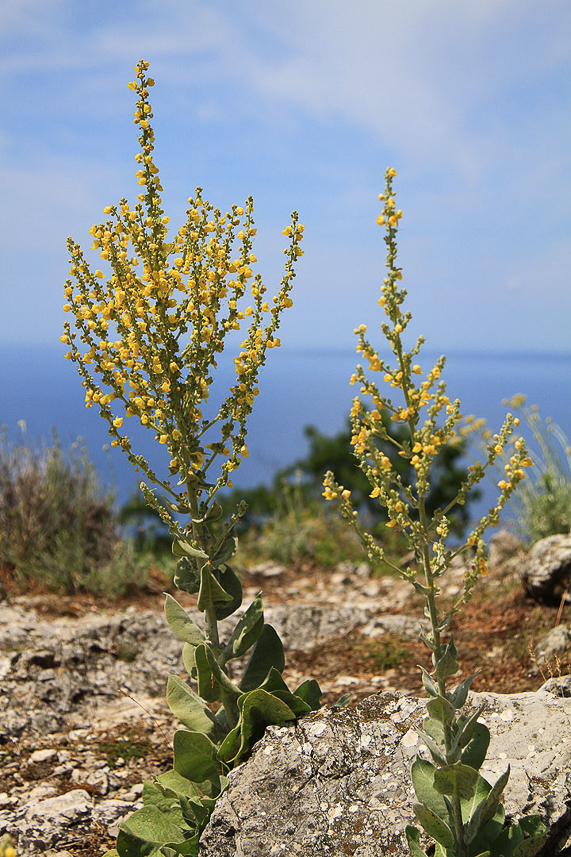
column 455, row 806
column 146, row 343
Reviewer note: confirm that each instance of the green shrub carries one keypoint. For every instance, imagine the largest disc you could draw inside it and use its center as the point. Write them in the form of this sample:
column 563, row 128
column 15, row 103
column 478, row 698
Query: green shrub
column 542, row 505
column 58, row 528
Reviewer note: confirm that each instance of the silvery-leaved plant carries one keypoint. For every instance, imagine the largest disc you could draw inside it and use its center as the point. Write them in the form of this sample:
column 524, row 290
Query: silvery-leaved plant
column 455, row 806
column 146, row 342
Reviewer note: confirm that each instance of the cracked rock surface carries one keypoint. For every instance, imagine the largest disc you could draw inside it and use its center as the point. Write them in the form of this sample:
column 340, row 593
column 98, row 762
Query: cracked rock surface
column 338, row 782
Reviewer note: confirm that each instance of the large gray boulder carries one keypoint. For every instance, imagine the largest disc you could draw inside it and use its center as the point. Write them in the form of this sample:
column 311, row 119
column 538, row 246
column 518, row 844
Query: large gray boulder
column 338, row 782
column 546, row 569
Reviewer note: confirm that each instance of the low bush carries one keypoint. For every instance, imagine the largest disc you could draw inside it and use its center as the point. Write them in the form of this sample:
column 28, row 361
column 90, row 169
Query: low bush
column 58, row 527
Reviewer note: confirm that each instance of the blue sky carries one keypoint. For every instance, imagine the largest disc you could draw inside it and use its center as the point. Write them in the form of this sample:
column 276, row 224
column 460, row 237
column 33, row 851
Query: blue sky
column 304, row 104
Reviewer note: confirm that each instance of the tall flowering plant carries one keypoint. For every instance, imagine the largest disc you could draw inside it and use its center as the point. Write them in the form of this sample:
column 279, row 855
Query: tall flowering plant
column 456, row 806
column 146, row 342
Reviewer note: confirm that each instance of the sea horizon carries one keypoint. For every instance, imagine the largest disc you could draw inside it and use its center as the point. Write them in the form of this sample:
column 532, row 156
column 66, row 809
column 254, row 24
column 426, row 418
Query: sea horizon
column 298, row 387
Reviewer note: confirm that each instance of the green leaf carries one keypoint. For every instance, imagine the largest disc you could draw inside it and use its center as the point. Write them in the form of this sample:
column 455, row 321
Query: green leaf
column 436, row 751
column 440, row 709
column 258, row 710
column 189, row 708
column 171, row 780
column 180, row 622
column 465, row 729
column 422, row 774
column 535, row 829
column 488, row 806
column 211, row 678
column 208, row 686
column 247, row 630
column 189, row 661
column 434, row 825
column 446, row 665
column 456, row 780
column 429, row 685
column 230, row 582
column 146, row 831
column 475, row 753
column 413, row 840
column 186, row 577
column 459, row 694
column 310, row 692
column 226, row 551
column 195, row 756
column 267, row 653
column 211, row 593
column 180, row 548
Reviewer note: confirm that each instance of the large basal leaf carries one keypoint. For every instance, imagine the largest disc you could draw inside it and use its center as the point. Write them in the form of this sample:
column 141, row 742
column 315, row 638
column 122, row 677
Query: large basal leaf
column 267, row 653
column 195, row 756
column 189, row 708
column 456, row 780
column 247, row 630
column 181, row 624
column 231, row 584
column 181, row 785
column 434, row 825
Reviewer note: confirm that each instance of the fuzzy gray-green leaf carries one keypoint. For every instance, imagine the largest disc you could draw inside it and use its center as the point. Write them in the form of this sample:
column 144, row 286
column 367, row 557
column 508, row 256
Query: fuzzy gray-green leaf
column 267, row 653
column 422, row 774
column 247, row 630
column 434, row 825
column 189, row 708
column 230, row 582
column 477, row 748
column 458, row 779
column 180, row 622
column 195, row 756
column 186, row 577
column 413, row 840
column 211, row 594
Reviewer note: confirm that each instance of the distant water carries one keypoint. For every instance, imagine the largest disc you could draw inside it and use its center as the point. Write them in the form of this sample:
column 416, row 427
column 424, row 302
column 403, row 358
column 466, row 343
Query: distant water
column 297, row 388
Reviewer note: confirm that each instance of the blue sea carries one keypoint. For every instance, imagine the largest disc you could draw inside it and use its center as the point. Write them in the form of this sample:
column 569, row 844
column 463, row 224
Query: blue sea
column 297, row 388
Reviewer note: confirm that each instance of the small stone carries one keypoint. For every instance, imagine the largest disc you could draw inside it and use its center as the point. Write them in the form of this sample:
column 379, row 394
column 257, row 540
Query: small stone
column 43, row 756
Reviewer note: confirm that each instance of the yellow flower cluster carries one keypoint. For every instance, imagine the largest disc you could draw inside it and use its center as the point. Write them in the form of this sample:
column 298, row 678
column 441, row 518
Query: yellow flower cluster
column 148, row 334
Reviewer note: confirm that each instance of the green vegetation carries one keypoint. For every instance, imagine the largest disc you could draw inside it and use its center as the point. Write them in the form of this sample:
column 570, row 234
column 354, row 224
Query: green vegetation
column 58, row 528
column 542, row 506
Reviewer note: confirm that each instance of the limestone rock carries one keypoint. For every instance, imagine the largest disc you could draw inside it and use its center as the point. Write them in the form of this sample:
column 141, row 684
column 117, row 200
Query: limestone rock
column 554, row 642
column 338, row 782
column 502, row 547
column 547, row 567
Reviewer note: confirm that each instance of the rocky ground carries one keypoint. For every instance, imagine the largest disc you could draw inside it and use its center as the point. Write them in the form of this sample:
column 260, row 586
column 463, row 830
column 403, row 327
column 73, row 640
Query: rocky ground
column 84, row 721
